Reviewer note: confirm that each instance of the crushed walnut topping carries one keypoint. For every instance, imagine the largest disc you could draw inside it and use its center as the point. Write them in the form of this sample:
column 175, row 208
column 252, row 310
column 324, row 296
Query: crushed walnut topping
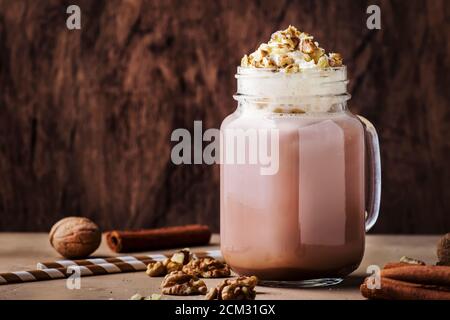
column 291, row 51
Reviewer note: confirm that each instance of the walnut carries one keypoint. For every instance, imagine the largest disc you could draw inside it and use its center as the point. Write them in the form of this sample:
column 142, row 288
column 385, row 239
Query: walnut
column 137, row 296
column 212, row 294
column 75, row 237
column 245, row 61
column 264, row 49
column 182, row 284
column 297, row 111
column 307, row 46
column 278, row 110
column 307, row 57
column 409, row 260
column 242, row 288
column 335, row 60
column 153, row 296
column 267, row 62
column 207, row 268
column 236, row 291
column 182, row 257
column 323, row 62
column 156, row 269
column 443, row 250
column 284, row 61
column 175, row 263
column 172, row 265
column 292, row 68
column 318, row 52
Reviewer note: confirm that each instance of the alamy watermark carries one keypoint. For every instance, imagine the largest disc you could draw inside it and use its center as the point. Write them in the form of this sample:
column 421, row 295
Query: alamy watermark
column 229, row 146
column 374, row 280
column 73, row 273
column 374, row 19
column 73, row 22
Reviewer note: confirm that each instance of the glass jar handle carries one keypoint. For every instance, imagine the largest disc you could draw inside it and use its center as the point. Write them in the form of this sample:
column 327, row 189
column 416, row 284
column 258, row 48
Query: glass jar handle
column 374, row 170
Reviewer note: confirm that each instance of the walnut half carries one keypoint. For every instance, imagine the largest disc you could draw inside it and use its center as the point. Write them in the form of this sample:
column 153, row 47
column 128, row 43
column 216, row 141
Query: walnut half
column 242, row 288
column 182, row 284
column 207, row 268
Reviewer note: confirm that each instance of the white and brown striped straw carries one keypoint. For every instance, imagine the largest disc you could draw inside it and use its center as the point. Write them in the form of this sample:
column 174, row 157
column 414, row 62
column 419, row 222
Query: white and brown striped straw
column 90, row 267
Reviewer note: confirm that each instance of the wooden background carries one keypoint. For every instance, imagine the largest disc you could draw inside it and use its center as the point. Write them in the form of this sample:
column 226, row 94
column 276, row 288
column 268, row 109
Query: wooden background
column 86, row 116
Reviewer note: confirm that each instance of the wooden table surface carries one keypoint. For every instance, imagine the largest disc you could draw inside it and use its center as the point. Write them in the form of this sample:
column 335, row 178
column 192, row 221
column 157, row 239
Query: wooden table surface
column 21, row 251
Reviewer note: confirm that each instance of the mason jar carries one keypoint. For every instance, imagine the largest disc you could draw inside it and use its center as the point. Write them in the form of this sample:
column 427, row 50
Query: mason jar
column 300, row 178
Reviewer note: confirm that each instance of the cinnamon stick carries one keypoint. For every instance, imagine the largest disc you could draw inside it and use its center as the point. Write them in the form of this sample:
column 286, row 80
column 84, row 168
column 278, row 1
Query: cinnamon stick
column 391, row 265
column 400, row 290
column 428, row 275
column 157, row 239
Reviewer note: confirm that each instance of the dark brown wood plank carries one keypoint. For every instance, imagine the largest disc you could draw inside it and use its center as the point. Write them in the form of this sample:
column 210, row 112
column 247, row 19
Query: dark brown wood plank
column 86, row 116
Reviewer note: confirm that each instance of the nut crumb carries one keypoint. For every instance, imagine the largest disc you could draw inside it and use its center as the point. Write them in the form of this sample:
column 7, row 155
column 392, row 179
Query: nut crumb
column 154, row 296
column 136, row 296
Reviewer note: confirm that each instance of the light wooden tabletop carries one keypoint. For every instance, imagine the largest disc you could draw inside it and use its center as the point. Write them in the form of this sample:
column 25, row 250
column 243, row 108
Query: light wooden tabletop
column 21, row 251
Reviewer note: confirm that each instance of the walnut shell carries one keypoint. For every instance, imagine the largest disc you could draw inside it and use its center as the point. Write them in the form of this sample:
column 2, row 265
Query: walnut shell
column 443, row 250
column 75, row 237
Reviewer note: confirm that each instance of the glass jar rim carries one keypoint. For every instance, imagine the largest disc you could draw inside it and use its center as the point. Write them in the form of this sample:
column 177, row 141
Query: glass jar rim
column 304, row 73
column 314, row 83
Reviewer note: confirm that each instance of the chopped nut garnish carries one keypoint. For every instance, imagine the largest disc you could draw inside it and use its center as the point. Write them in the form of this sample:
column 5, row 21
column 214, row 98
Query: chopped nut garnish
column 245, row 61
column 323, row 62
column 307, row 45
column 207, row 268
column 297, row 111
column 182, row 284
column 242, row 288
column 335, row 60
column 292, row 68
column 278, row 110
column 291, row 51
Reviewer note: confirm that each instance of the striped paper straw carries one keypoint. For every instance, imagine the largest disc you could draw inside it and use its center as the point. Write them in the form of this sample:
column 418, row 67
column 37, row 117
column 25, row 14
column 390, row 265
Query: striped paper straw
column 90, row 267
column 153, row 257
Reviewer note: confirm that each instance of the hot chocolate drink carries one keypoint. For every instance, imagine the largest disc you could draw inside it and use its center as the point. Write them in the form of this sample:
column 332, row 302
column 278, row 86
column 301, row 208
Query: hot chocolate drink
column 305, row 220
